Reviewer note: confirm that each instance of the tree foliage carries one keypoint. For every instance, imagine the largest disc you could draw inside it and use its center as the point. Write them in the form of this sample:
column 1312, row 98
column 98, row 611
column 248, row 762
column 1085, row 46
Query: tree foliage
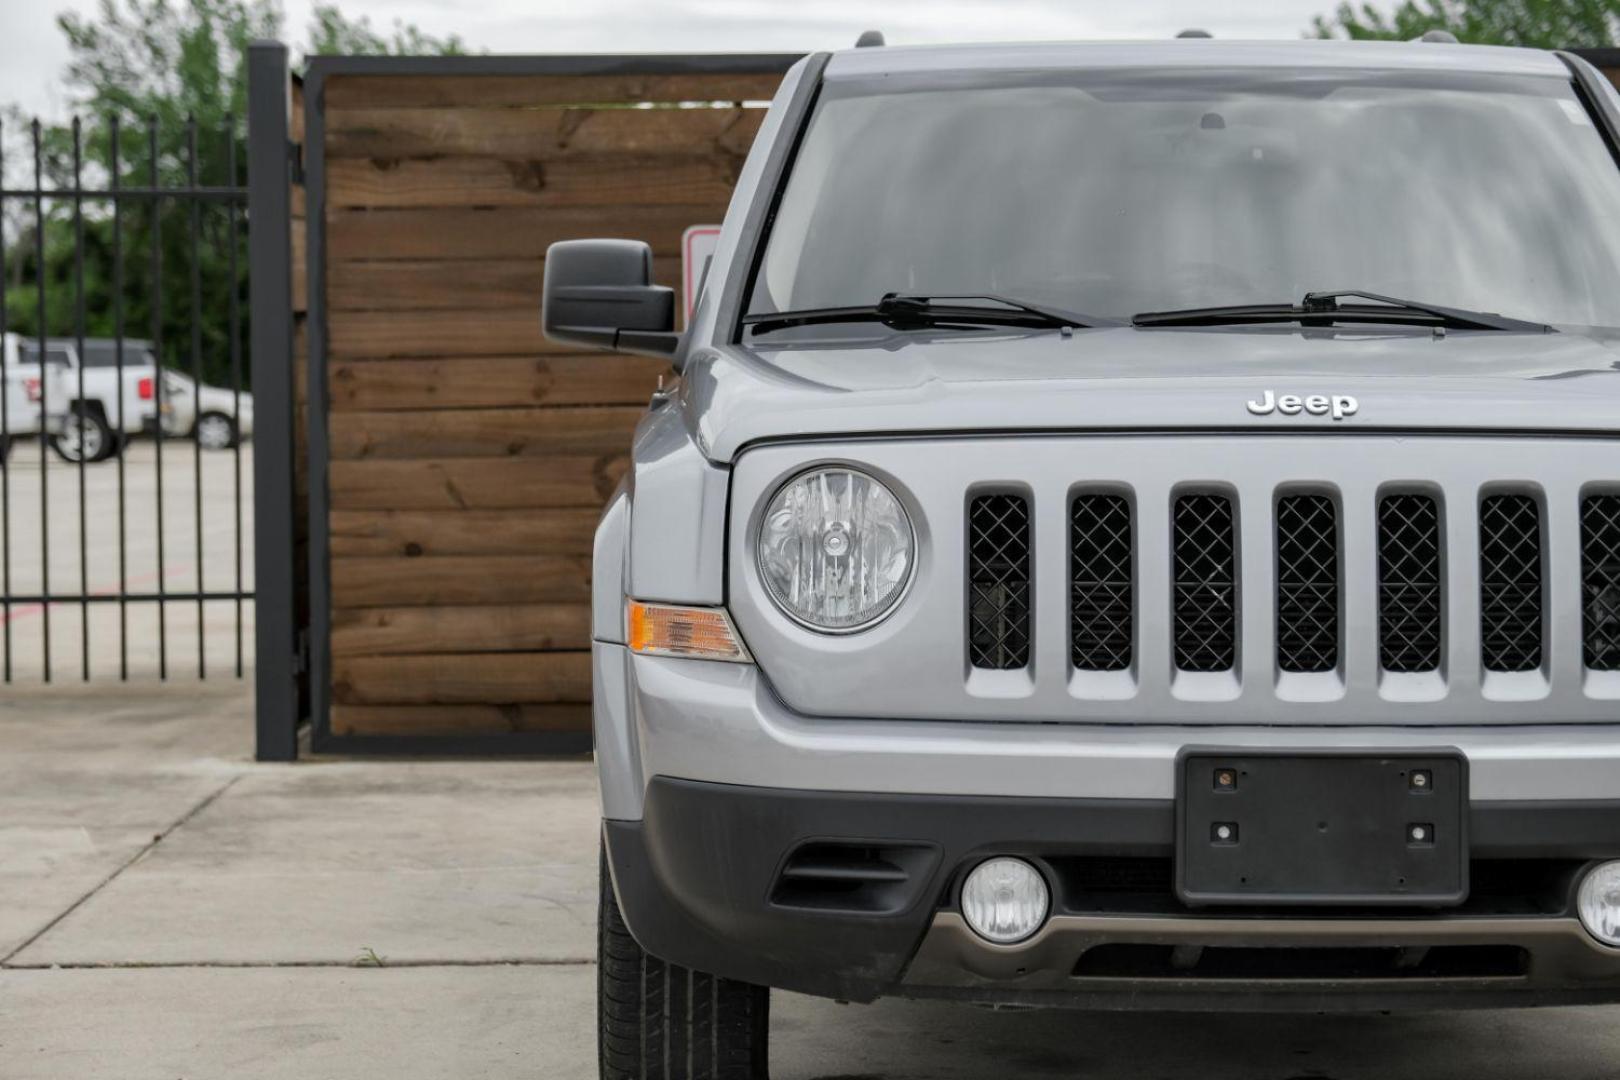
column 1539, row 24
column 170, row 78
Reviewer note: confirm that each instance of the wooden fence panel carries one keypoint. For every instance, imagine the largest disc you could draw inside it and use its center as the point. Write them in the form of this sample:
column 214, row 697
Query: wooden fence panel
column 469, row 457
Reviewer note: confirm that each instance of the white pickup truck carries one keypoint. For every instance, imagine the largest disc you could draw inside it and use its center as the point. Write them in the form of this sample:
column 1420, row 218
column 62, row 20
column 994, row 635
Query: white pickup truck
column 30, row 401
column 96, row 428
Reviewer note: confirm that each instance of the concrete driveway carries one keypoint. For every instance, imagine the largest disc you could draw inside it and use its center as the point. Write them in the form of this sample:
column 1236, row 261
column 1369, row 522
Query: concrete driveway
column 169, row 909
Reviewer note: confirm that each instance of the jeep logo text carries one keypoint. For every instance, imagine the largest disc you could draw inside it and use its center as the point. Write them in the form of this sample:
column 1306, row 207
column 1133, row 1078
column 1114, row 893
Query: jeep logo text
column 1337, row 406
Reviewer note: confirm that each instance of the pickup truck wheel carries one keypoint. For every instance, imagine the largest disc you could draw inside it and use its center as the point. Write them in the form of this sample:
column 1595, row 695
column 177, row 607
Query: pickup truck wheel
column 659, row 1019
column 87, row 435
column 216, row 431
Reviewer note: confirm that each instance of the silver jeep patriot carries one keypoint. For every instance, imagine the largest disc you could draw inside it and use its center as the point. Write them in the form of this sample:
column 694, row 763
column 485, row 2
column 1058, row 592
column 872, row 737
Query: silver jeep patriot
column 1135, row 526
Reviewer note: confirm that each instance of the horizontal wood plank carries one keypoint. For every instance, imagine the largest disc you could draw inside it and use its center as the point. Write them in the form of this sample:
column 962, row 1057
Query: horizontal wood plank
column 470, row 678
column 467, row 285
column 509, row 232
column 450, row 433
column 452, row 720
column 477, row 382
column 488, row 181
column 476, row 483
column 473, row 629
column 559, row 531
column 539, row 134
column 438, row 333
column 461, row 580
column 346, row 92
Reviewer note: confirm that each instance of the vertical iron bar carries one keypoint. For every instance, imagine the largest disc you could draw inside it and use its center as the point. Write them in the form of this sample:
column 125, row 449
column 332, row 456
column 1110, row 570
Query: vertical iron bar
column 157, row 386
column 78, row 340
column 44, row 406
column 196, row 378
column 5, row 436
column 236, row 368
column 118, row 362
column 271, row 354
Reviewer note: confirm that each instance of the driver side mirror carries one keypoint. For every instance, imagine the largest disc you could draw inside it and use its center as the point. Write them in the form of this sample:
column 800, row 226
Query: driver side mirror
column 600, row 293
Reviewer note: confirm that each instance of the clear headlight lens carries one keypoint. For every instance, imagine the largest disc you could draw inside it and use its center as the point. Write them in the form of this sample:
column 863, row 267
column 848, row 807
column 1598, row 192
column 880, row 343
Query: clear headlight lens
column 835, row 549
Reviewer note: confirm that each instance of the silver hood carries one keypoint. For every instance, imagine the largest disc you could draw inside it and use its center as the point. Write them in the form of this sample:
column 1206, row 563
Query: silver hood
column 1122, row 378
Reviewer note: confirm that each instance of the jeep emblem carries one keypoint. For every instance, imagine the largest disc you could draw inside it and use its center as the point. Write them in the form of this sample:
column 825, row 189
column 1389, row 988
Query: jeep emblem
column 1337, row 406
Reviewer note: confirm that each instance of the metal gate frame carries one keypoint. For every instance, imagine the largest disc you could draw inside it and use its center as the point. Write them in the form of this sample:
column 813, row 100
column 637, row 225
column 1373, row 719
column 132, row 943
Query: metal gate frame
column 319, row 652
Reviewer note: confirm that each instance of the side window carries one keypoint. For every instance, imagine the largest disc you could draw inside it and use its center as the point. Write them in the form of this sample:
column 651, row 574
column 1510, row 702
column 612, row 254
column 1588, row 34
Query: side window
column 58, row 357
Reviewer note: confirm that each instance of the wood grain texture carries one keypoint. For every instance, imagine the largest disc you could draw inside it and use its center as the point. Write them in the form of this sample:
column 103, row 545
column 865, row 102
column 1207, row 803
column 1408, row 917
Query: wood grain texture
column 504, row 232
column 449, row 433
column 472, row 629
column 347, row 92
column 460, row 581
column 471, row 679
column 669, row 179
column 539, row 134
column 468, row 285
column 496, row 332
column 412, row 533
column 480, row 382
column 454, row 720
column 476, row 483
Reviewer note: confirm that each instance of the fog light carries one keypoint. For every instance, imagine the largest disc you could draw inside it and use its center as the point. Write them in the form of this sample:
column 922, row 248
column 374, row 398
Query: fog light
column 1005, row 900
column 1599, row 903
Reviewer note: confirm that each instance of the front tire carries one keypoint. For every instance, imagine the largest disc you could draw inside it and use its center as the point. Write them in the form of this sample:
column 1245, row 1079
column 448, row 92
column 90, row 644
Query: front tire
column 663, row 1021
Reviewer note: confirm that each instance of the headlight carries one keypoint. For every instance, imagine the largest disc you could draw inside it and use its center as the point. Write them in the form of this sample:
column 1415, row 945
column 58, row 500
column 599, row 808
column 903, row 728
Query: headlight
column 835, row 549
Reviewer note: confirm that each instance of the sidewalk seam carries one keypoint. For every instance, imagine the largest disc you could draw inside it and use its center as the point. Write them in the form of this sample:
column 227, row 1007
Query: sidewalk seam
column 205, row 803
column 260, row 965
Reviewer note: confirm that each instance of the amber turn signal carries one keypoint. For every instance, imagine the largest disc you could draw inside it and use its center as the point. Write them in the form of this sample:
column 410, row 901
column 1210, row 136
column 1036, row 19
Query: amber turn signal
column 697, row 633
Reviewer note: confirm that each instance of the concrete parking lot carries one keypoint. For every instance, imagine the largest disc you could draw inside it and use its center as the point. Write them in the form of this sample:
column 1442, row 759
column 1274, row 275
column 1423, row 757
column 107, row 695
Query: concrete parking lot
column 42, row 545
column 170, row 909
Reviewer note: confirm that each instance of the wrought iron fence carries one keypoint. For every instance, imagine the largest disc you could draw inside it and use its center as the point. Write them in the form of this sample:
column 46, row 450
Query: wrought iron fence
column 118, row 376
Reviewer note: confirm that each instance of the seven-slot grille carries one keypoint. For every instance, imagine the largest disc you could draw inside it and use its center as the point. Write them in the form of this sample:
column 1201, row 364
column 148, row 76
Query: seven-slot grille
column 1308, row 585
column 998, row 582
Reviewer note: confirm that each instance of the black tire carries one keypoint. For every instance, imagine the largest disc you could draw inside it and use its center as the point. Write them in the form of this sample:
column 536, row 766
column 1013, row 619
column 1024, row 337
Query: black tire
column 660, row 1021
column 97, row 434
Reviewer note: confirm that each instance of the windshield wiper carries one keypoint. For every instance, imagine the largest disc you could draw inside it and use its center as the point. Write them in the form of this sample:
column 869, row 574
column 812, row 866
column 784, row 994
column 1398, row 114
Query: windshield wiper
column 906, row 312
column 1325, row 308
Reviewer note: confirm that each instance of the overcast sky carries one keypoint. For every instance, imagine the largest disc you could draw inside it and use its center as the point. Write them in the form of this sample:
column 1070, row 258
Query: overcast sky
column 32, row 52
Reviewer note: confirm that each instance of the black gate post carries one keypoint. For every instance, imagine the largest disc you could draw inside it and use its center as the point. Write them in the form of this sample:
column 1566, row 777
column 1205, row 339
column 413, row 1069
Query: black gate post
column 270, row 165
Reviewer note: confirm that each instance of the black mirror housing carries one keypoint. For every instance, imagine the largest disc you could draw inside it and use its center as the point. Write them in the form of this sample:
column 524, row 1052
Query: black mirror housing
column 599, row 293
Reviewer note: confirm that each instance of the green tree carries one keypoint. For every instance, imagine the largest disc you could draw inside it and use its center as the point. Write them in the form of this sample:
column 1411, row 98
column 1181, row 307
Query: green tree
column 1539, row 24
column 170, row 77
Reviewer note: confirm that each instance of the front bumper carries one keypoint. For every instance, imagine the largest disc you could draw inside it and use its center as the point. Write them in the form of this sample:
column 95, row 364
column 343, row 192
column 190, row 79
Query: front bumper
column 701, row 881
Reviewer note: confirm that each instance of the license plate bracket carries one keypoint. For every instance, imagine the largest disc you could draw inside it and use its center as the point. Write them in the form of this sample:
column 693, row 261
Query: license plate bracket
column 1321, row 828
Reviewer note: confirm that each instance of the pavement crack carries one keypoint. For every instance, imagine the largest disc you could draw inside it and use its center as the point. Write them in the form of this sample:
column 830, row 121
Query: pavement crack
column 254, row 965
column 203, row 804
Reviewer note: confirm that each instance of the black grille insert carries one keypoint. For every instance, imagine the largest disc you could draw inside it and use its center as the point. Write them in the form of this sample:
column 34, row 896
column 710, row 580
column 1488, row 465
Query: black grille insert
column 1410, row 588
column 1600, row 581
column 1100, row 571
column 1205, row 583
column 1307, row 584
column 1510, row 576
column 998, row 582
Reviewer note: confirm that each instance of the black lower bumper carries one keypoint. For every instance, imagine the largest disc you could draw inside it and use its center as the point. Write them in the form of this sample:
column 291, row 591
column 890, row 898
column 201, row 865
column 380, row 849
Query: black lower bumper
column 852, row 896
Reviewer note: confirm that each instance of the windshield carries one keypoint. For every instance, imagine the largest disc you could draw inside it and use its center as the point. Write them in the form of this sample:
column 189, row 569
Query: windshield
column 1120, row 192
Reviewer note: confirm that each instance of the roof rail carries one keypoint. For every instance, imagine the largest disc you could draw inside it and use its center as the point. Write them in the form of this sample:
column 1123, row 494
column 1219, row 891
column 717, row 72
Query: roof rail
column 1194, row 32
column 869, row 39
column 1443, row 37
